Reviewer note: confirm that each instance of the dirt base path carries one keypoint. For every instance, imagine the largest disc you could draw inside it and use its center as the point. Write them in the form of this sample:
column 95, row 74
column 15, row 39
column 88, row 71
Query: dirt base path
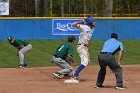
column 41, row 80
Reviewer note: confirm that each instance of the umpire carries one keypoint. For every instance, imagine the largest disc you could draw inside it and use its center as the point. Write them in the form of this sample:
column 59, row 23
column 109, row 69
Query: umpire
column 107, row 58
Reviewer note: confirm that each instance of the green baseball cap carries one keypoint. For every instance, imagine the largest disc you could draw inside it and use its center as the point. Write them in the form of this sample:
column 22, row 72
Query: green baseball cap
column 9, row 38
column 71, row 38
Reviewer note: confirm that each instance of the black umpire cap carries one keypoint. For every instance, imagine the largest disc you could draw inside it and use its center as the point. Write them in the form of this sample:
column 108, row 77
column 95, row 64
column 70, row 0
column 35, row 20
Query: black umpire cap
column 114, row 35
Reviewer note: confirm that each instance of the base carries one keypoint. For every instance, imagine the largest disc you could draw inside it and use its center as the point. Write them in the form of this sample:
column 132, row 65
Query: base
column 71, row 81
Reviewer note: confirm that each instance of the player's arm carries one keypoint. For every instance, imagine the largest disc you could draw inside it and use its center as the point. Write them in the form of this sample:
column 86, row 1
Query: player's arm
column 76, row 24
column 120, row 54
column 70, row 54
column 19, row 47
column 70, row 58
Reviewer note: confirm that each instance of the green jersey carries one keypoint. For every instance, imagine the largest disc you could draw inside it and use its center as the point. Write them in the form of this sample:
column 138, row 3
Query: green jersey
column 19, row 43
column 64, row 50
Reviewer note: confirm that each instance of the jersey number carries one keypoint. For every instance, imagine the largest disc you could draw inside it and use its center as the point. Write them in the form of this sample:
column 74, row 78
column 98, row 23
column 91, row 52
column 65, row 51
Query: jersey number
column 60, row 48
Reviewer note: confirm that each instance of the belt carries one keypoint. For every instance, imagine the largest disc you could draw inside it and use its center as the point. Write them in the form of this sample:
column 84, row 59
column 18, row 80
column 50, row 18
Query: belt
column 106, row 53
column 82, row 44
column 57, row 57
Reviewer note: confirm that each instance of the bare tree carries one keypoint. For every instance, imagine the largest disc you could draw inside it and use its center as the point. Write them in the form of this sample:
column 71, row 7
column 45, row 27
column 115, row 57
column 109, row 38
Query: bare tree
column 84, row 8
column 50, row 10
column 37, row 7
column 128, row 6
column 109, row 7
column 62, row 7
column 10, row 7
column 69, row 7
column 91, row 6
column 46, row 7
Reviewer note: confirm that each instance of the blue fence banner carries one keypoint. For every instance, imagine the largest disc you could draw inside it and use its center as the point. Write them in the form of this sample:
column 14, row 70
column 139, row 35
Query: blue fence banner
column 57, row 29
column 64, row 27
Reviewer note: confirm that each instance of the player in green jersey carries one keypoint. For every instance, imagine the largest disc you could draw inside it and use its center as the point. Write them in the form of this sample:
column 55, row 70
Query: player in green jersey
column 22, row 46
column 62, row 56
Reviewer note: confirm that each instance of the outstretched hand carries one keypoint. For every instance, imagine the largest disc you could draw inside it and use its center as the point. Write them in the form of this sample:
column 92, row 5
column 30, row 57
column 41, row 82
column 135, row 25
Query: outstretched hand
column 74, row 64
column 119, row 62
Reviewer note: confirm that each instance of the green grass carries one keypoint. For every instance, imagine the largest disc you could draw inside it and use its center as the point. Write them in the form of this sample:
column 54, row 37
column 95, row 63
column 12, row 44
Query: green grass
column 42, row 51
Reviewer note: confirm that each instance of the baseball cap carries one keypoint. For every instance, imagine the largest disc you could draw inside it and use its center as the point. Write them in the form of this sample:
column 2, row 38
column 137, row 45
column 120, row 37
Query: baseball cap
column 114, row 35
column 71, row 38
column 9, row 38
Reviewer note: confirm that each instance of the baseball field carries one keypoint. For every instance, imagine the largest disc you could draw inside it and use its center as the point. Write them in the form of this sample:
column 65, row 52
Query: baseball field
column 38, row 78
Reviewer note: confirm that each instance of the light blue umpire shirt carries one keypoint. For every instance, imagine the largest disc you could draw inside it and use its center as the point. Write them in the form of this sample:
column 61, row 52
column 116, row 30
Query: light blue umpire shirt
column 112, row 45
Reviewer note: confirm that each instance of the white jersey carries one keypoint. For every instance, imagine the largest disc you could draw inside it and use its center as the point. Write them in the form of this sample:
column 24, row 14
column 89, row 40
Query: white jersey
column 85, row 34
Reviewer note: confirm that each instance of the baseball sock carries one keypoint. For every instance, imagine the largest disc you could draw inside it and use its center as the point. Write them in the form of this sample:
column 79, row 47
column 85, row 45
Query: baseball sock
column 78, row 70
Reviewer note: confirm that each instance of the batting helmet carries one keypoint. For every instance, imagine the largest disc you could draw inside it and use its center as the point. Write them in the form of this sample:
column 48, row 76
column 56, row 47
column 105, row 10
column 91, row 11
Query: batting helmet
column 71, row 38
column 9, row 38
column 89, row 21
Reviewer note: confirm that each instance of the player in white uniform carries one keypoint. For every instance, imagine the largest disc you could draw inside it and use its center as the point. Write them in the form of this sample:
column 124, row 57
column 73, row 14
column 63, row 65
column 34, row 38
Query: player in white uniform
column 86, row 29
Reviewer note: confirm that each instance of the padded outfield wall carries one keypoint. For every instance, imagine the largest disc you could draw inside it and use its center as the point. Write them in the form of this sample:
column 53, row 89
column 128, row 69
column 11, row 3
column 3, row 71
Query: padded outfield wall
column 59, row 28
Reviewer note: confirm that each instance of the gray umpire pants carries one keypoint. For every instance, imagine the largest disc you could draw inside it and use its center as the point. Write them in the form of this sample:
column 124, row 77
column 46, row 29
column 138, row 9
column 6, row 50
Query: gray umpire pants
column 66, row 67
column 22, row 52
column 109, row 60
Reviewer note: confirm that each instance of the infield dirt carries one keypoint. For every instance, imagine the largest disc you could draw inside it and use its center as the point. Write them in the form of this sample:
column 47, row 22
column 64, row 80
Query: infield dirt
column 41, row 80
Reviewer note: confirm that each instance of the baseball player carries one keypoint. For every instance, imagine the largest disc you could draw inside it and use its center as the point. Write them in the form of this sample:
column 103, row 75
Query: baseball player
column 107, row 58
column 23, row 47
column 62, row 56
column 86, row 29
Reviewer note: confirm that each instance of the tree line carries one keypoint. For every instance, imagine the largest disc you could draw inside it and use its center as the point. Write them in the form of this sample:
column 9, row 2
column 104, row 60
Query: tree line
column 74, row 8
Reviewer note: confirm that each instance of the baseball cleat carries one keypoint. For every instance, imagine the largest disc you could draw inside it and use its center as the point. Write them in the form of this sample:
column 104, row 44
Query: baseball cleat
column 67, row 76
column 75, row 78
column 99, row 86
column 57, row 75
column 120, row 87
column 22, row 66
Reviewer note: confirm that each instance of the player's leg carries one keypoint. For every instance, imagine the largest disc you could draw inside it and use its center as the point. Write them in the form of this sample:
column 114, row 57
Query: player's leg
column 66, row 68
column 21, row 57
column 102, row 71
column 68, row 75
column 84, row 56
column 26, row 48
column 115, row 67
column 22, row 52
